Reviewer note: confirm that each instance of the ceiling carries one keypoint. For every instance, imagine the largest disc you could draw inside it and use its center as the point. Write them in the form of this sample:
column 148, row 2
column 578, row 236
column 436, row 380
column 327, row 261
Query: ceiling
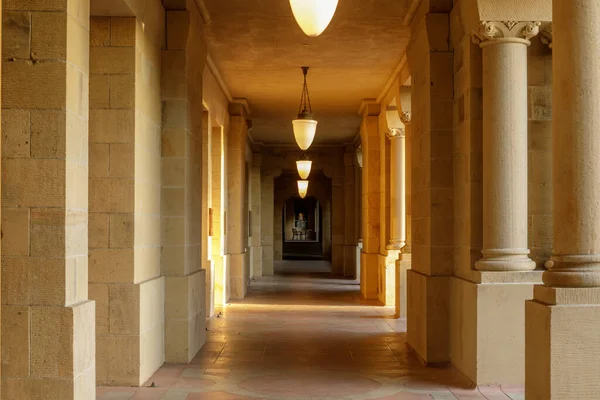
column 258, row 48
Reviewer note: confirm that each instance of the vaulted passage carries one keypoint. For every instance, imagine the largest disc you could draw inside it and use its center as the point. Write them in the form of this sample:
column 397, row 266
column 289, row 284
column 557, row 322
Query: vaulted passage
column 424, row 223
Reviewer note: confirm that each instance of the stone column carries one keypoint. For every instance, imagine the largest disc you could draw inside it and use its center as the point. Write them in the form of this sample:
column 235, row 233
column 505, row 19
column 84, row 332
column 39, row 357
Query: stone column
column 256, row 252
column 124, row 199
column 217, row 201
column 487, row 303
column 504, row 47
column 185, row 306
column 236, row 220
column 397, row 138
column 350, row 239
column 369, row 132
column 403, row 263
column 338, row 222
column 431, row 62
column 562, row 341
column 48, row 323
column 358, row 209
column 267, row 188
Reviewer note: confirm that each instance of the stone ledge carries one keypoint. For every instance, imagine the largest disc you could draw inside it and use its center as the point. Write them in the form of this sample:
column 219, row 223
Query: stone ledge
column 534, row 277
column 563, row 296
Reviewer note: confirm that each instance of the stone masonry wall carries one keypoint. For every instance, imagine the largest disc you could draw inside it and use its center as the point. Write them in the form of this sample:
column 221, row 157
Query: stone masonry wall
column 125, row 178
column 46, row 314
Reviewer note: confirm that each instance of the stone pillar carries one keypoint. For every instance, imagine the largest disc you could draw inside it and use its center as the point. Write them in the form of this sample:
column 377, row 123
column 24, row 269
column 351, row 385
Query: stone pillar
column 504, row 47
column 236, row 220
column 400, row 200
column 256, row 253
column 182, row 65
column 350, row 238
column 206, row 246
column 338, row 222
column 358, row 210
column 267, row 188
column 369, row 132
column 488, row 339
column 431, row 63
column 124, row 200
column 48, row 326
column 562, row 321
column 217, row 201
column 397, row 138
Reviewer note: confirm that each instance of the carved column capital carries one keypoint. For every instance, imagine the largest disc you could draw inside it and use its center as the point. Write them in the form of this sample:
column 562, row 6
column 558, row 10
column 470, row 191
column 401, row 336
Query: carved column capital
column 395, row 133
column 359, row 156
column 546, row 36
column 494, row 32
column 405, row 117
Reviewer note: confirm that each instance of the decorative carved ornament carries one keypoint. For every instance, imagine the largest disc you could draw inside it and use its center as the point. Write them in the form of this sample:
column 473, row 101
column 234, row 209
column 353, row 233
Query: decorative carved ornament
column 394, row 133
column 546, row 36
column 359, row 156
column 490, row 32
column 405, row 117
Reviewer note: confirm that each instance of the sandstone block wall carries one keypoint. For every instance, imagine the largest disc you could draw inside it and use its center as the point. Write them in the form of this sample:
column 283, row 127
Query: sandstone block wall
column 46, row 314
column 125, row 190
column 237, row 211
column 431, row 58
column 183, row 62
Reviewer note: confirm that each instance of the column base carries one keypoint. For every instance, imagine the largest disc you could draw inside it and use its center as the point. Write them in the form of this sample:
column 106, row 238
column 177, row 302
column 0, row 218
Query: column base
column 239, row 275
column 268, row 268
column 403, row 264
column 387, row 273
column 337, row 260
column 492, row 261
column 428, row 316
column 369, row 276
column 185, row 316
column 562, row 355
column 487, row 330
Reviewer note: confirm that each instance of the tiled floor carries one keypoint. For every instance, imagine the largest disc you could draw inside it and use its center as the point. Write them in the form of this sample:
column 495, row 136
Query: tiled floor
column 304, row 336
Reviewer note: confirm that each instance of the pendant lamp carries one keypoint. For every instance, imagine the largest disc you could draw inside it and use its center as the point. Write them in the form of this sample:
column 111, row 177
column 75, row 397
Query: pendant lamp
column 313, row 16
column 302, row 188
column 304, row 166
column 305, row 126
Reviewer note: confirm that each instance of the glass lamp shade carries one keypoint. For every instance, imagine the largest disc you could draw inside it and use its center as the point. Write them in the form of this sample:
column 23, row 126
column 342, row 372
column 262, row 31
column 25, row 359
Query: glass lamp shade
column 304, row 132
column 302, row 188
column 313, row 16
column 304, row 167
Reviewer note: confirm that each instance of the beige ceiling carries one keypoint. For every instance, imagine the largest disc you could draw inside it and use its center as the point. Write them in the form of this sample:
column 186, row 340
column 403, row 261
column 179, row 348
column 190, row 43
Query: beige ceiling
column 259, row 49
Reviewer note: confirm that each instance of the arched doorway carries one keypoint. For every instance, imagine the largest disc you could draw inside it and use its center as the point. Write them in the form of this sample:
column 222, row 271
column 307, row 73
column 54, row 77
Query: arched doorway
column 302, row 227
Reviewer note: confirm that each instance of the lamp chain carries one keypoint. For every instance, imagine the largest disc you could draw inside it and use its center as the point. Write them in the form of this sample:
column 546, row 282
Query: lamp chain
column 305, row 106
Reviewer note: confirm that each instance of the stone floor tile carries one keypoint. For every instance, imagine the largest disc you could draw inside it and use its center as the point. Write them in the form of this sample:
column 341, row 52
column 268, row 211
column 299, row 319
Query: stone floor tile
column 300, row 335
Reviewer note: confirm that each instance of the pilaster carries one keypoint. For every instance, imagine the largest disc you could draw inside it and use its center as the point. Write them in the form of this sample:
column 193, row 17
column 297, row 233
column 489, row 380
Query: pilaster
column 371, row 192
column 431, row 63
column 183, row 59
column 237, row 218
column 48, row 323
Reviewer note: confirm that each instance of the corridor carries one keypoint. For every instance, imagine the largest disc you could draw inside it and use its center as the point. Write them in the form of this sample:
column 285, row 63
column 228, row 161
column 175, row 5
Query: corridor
column 303, row 335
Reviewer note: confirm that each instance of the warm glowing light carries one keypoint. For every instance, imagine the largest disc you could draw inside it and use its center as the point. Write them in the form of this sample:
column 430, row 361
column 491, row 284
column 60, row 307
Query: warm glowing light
column 313, row 16
column 302, row 188
column 304, row 132
column 304, row 167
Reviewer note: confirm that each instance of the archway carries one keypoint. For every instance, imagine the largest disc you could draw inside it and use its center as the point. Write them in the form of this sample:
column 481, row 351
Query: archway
column 302, row 229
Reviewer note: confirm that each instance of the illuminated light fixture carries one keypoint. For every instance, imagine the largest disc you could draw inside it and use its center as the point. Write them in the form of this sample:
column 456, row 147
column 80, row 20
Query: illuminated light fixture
column 302, row 188
column 304, row 167
column 305, row 127
column 313, row 16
